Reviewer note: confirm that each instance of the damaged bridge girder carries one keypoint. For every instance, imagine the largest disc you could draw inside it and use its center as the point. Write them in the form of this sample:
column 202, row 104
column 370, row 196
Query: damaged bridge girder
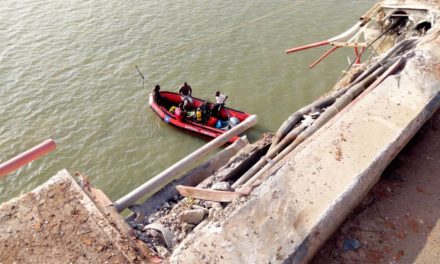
column 314, row 188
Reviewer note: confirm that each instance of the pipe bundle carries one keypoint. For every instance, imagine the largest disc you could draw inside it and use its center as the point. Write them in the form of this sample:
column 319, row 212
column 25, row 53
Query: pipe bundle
column 293, row 132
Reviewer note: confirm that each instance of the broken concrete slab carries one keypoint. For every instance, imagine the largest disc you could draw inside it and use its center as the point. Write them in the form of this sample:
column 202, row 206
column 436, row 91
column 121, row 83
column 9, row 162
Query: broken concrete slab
column 58, row 221
column 399, row 220
column 315, row 188
column 207, row 194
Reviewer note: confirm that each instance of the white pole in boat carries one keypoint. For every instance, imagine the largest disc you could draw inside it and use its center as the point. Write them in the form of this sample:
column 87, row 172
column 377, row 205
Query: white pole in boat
column 153, row 185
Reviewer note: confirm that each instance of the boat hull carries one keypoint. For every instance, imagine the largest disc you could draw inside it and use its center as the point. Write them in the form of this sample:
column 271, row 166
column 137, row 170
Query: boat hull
column 194, row 128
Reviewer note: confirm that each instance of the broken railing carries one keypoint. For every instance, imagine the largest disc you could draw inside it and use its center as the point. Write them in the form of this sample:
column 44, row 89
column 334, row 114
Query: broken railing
column 27, row 157
column 399, row 21
column 349, row 38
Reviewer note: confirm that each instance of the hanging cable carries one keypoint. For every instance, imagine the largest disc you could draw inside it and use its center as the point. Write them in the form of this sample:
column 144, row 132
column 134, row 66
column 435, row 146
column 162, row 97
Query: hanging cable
column 391, row 27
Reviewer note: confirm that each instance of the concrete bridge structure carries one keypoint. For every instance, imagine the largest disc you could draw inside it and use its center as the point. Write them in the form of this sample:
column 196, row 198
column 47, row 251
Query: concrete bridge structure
column 301, row 203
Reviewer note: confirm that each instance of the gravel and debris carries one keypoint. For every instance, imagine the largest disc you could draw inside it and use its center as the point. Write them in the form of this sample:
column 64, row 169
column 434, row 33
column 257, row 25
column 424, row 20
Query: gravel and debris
column 181, row 215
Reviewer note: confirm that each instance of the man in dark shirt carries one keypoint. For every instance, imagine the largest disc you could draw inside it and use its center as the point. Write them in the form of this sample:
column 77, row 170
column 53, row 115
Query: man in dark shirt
column 185, row 93
column 156, row 94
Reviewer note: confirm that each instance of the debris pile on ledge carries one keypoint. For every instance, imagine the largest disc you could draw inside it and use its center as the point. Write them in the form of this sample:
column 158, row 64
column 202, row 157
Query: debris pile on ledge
column 168, row 224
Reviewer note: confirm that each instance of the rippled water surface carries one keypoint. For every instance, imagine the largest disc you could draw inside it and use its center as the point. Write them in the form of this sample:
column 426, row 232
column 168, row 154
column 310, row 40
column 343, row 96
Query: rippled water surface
column 67, row 71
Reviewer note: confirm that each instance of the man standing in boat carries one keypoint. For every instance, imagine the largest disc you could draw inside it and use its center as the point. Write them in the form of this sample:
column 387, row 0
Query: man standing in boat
column 185, row 93
column 156, row 94
column 220, row 100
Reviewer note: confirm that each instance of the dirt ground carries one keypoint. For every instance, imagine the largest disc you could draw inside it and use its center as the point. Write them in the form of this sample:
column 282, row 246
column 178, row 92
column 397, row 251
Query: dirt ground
column 55, row 224
column 398, row 222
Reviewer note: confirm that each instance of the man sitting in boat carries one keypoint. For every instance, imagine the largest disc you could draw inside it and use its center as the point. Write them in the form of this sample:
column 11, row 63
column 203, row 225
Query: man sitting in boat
column 203, row 112
column 185, row 94
column 220, row 102
column 179, row 112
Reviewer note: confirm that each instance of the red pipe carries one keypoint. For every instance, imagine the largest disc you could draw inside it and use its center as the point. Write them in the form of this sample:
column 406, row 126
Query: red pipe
column 309, row 46
column 323, row 56
column 26, row 157
column 358, row 56
column 362, row 52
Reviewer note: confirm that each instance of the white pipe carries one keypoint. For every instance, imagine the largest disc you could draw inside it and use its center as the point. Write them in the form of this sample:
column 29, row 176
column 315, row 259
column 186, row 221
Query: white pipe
column 356, row 36
column 357, row 26
column 341, row 102
column 153, row 185
column 347, row 33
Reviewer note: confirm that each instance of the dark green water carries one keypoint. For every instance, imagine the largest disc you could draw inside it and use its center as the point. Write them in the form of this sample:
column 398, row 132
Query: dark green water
column 67, row 71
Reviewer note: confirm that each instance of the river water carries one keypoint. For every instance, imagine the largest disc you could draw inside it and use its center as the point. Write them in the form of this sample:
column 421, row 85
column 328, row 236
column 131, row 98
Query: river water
column 67, row 71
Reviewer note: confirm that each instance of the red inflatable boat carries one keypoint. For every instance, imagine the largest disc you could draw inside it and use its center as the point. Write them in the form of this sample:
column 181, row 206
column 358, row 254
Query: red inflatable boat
column 165, row 104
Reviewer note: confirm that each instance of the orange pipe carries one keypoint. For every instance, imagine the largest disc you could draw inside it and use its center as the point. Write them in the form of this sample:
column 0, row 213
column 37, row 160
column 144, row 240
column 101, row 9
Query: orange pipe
column 323, row 56
column 358, row 56
column 26, row 157
column 313, row 45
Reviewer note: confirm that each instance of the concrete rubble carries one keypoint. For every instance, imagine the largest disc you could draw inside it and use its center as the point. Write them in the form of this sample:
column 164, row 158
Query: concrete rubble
column 182, row 215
